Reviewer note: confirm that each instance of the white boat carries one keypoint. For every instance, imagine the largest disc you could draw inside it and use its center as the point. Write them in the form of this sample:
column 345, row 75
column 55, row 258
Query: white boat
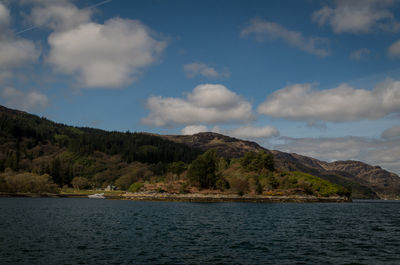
column 97, row 196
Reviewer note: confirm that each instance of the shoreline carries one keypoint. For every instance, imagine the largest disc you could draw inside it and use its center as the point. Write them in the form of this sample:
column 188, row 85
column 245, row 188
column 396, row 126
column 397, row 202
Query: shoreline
column 191, row 197
column 198, row 197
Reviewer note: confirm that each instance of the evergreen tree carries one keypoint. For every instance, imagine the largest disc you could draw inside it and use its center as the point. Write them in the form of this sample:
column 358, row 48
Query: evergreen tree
column 203, row 170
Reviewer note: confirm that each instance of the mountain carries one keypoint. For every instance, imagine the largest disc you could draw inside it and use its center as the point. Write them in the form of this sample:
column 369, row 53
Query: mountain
column 29, row 143
column 225, row 146
column 364, row 180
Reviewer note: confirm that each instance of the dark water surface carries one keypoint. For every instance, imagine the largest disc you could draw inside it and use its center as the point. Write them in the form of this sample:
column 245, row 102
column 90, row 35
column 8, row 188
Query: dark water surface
column 84, row 231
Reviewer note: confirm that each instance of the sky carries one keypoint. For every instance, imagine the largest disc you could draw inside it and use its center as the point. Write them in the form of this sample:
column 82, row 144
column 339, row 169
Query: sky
column 318, row 78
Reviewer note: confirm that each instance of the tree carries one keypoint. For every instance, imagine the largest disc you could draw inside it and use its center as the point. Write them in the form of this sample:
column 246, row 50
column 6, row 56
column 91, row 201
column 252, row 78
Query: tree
column 257, row 162
column 241, row 186
column 79, row 183
column 203, row 169
column 177, row 167
column 55, row 171
column 12, row 181
column 222, row 164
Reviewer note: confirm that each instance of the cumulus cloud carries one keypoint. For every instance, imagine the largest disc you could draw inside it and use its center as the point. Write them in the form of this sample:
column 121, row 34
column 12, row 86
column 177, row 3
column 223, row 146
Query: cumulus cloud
column 382, row 152
column 17, row 52
column 343, row 103
column 254, row 132
column 193, row 129
column 394, row 49
column 4, row 16
column 57, row 15
column 194, row 69
column 28, row 101
column 358, row 16
column 105, row 55
column 208, row 103
column 14, row 51
column 359, row 54
column 264, row 29
column 391, row 133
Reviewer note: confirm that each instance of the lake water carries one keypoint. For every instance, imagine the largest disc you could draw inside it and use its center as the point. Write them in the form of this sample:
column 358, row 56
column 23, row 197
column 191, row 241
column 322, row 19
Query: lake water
column 85, row 231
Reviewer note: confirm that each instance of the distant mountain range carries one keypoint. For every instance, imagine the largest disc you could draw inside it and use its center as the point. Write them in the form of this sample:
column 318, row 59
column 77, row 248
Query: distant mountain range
column 364, row 180
column 34, row 144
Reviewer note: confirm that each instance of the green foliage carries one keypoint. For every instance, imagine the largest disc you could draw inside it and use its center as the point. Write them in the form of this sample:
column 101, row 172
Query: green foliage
column 62, row 139
column 183, row 188
column 135, row 187
column 34, row 144
column 134, row 174
column 257, row 161
column 85, row 156
column 272, row 182
column 315, row 185
column 222, row 184
column 246, row 175
column 222, row 164
column 11, row 181
column 255, row 185
column 203, row 170
column 80, row 183
column 159, row 169
column 177, row 167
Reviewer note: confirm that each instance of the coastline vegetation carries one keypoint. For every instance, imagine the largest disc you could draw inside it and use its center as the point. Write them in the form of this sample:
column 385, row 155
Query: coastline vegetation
column 40, row 156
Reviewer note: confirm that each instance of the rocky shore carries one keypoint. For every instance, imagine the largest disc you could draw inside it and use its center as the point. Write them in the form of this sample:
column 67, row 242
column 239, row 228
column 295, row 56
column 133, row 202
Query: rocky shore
column 198, row 197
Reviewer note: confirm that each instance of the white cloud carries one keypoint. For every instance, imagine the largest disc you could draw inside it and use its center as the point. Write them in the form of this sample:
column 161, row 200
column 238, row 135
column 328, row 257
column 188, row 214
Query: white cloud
column 358, row 16
column 384, row 153
column 207, row 103
column 28, row 101
column 58, row 15
column 391, row 133
column 105, row 55
column 359, row 54
column 344, row 103
column 253, row 132
column 4, row 16
column 17, row 52
column 196, row 68
column 14, row 52
column 193, row 129
column 261, row 29
column 394, row 49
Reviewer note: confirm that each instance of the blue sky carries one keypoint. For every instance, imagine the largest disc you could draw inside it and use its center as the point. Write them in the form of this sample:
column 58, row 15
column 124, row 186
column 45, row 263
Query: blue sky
column 319, row 78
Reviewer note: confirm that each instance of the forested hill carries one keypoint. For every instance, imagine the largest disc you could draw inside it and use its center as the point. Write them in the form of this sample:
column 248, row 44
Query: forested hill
column 35, row 152
column 33, row 144
column 364, row 180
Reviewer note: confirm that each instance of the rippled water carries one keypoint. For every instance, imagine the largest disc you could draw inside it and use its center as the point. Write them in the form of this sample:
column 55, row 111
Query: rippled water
column 84, row 231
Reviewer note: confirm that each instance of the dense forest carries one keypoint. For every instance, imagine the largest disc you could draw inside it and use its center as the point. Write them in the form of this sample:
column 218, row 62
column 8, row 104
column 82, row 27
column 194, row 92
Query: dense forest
column 38, row 155
column 33, row 144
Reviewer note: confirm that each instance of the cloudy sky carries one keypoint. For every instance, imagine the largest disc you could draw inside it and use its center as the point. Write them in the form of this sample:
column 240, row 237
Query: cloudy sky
column 319, row 78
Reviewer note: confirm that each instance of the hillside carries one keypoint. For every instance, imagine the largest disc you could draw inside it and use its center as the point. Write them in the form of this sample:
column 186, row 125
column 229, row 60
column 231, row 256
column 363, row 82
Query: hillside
column 87, row 157
column 225, row 146
column 364, row 180
column 33, row 144
column 38, row 155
